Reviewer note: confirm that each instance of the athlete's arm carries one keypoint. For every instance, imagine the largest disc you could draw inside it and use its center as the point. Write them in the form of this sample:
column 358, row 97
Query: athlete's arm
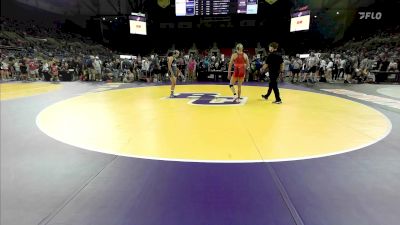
column 247, row 62
column 264, row 67
column 230, row 65
column 170, row 59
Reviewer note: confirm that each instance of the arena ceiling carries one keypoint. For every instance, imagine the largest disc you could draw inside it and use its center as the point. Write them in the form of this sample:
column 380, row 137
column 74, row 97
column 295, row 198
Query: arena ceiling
column 86, row 7
column 114, row 7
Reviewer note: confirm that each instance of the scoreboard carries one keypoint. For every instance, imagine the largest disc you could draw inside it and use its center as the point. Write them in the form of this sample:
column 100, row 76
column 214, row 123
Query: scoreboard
column 137, row 24
column 215, row 8
column 300, row 21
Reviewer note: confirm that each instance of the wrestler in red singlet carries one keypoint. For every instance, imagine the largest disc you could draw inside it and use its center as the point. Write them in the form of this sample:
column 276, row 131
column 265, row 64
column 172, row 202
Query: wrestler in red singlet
column 240, row 66
column 241, row 62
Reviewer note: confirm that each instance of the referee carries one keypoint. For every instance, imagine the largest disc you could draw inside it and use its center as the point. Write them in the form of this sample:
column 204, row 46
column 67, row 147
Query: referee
column 274, row 63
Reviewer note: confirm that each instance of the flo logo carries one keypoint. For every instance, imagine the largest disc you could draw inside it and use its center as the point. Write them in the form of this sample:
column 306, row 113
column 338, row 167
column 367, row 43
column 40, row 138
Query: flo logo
column 209, row 99
column 370, row 15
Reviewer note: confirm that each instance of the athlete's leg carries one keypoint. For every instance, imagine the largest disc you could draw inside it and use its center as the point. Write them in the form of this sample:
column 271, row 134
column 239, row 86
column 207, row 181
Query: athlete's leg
column 240, row 81
column 231, row 85
column 173, row 84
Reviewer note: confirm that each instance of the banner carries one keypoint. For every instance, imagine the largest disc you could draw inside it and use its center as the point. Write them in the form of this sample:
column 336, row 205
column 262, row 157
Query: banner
column 164, row 3
column 271, row 1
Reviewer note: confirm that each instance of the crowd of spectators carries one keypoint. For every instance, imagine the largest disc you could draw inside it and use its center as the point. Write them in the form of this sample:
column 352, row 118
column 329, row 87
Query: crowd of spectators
column 32, row 52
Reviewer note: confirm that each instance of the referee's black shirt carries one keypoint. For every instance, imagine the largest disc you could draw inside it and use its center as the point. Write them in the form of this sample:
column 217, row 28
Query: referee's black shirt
column 274, row 61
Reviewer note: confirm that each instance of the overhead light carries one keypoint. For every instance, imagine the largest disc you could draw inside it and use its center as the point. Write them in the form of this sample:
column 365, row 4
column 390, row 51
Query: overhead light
column 104, row 18
column 138, row 14
column 337, row 13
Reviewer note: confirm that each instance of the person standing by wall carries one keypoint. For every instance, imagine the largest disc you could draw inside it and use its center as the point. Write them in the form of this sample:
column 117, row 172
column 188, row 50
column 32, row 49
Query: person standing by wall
column 296, row 66
column 192, row 69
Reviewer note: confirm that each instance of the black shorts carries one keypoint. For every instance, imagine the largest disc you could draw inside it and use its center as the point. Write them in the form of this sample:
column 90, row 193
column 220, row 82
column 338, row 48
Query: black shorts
column 181, row 67
column 321, row 71
column 312, row 69
column 156, row 71
column 172, row 75
column 295, row 70
column 349, row 70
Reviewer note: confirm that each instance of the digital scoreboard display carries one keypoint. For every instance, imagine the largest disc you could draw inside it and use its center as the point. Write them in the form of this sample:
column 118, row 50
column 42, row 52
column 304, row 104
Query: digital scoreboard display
column 137, row 24
column 215, row 8
column 300, row 21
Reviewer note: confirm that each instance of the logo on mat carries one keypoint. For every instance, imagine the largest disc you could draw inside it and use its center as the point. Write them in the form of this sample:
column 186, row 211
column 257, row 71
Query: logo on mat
column 209, row 99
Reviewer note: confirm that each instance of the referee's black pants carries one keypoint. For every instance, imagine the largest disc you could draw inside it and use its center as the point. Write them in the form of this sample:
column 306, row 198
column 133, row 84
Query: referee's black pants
column 273, row 85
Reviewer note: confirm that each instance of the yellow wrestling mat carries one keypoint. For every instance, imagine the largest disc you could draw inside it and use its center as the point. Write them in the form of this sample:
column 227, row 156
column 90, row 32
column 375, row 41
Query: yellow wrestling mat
column 19, row 90
column 201, row 125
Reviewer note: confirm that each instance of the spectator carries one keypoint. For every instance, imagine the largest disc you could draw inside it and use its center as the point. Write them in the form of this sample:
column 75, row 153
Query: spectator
column 192, row 69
